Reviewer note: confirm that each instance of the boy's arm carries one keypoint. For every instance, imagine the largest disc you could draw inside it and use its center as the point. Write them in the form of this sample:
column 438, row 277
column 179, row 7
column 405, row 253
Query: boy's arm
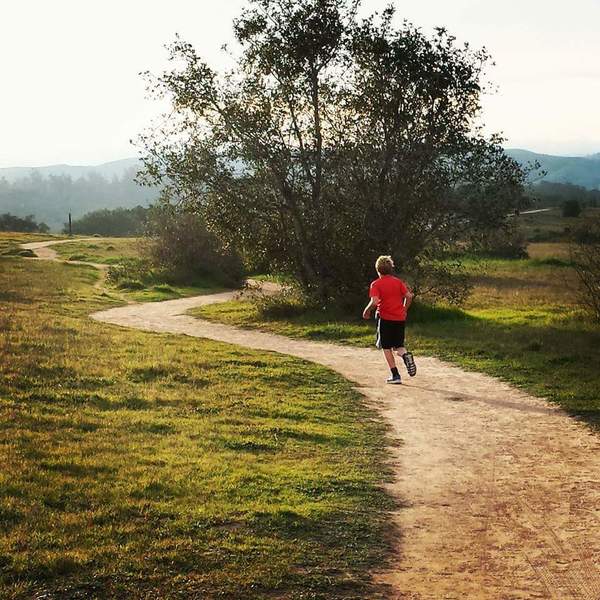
column 408, row 298
column 373, row 302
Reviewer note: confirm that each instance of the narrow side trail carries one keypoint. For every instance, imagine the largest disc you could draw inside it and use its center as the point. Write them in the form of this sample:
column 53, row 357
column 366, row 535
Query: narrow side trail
column 499, row 491
column 44, row 251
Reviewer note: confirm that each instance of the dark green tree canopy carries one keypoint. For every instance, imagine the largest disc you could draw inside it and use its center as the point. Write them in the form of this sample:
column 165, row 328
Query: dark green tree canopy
column 333, row 140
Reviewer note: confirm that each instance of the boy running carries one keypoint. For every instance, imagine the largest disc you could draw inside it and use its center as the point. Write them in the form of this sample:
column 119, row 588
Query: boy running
column 390, row 296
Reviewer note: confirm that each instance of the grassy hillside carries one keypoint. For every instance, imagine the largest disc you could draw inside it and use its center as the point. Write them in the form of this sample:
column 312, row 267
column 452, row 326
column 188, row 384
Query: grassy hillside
column 138, row 465
column 551, row 226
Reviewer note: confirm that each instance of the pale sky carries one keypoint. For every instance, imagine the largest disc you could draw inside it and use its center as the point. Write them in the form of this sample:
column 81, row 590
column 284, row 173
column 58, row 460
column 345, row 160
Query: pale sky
column 70, row 90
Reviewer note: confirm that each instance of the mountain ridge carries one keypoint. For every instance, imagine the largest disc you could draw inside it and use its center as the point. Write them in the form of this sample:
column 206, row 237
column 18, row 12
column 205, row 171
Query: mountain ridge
column 577, row 170
column 110, row 169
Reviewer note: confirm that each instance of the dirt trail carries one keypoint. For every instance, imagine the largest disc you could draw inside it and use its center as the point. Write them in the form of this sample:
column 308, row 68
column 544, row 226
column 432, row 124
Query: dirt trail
column 44, row 251
column 499, row 491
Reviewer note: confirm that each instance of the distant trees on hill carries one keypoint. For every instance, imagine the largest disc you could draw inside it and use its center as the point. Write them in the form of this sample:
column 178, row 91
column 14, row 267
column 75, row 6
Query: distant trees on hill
column 114, row 222
column 27, row 224
column 52, row 198
column 557, row 194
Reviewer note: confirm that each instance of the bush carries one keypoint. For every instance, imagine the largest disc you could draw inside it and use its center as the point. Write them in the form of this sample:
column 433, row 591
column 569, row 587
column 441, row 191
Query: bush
column 9, row 222
column 585, row 255
column 436, row 281
column 132, row 269
column 506, row 242
column 289, row 302
column 183, row 249
column 571, row 208
column 131, row 284
column 26, row 253
column 111, row 222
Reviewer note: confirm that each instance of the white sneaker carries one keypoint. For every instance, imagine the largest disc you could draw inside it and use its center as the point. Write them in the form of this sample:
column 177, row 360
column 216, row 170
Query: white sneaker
column 394, row 379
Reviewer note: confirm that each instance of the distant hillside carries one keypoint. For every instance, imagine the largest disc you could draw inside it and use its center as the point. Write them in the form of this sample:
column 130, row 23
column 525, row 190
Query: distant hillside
column 50, row 193
column 115, row 168
column 578, row 170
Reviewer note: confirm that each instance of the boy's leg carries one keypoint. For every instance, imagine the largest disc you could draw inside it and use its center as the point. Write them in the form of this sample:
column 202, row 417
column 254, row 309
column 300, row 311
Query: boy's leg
column 389, row 357
column 407, row 357
column 391, row 361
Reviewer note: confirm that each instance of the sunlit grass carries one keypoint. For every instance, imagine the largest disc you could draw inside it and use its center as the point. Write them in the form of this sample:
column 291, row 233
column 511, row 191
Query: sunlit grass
column 551, row 226
column 101, row 250
column 139, row 465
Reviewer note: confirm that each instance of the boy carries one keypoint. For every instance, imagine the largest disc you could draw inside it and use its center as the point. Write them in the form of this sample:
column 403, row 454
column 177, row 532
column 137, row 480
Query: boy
column 392, row 298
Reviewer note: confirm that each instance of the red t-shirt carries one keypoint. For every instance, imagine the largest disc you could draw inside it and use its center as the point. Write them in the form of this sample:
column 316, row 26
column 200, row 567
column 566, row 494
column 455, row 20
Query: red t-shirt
column 391, row 292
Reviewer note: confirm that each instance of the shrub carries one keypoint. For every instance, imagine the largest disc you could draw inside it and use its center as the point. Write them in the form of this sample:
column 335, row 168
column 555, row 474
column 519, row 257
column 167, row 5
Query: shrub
column 27, row 224
column 26, row 253
column 131, row 284
column 571, row 208
column 585, row 255
column 505, row 242
column 439, row 280
column 132, row 269
column 288, row 303
column 183, row 249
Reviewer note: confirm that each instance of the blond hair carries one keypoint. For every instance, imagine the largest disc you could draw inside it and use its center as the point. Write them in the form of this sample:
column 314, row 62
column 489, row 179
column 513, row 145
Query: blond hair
column 384, row 265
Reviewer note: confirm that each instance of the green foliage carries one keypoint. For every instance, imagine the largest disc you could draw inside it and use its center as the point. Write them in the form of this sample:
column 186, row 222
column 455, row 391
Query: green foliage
column 571, row 208
column 556, row 194
column 27, row 224
column 132, row 269
column 313, row 173
column 182, row 249
column 117, row 222
column 585, row 255
column 504, row 242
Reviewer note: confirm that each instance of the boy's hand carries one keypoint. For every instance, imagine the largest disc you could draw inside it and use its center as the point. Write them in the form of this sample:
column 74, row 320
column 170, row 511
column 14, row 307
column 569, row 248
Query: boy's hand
column 367, row 313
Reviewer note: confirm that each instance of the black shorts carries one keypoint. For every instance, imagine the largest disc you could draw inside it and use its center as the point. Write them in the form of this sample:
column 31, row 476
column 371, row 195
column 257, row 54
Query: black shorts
column 390, row 334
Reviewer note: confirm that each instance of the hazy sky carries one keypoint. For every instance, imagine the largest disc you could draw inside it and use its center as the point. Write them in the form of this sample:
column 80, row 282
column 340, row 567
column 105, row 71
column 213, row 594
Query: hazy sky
column 70, row 91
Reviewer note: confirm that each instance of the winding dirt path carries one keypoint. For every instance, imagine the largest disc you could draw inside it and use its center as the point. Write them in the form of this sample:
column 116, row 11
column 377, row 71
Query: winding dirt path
column 499, row 491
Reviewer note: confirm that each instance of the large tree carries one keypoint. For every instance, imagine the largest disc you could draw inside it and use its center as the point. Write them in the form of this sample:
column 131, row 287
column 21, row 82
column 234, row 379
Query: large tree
column 334, row 139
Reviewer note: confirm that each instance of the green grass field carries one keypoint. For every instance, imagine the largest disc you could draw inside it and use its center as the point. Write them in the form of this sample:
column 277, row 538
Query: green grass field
column 551, row 226
column 102, row 250
column 139, row 465
column 127, row 251
column 521, row 324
